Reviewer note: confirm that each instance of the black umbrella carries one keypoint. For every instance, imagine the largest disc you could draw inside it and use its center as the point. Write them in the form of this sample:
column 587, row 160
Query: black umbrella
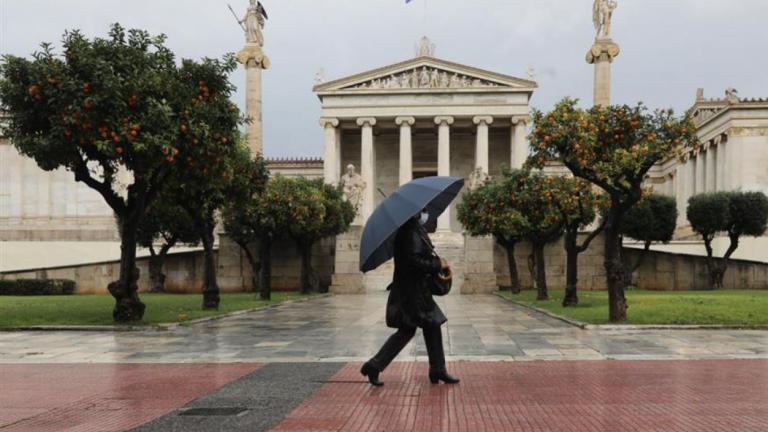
column 378, row 240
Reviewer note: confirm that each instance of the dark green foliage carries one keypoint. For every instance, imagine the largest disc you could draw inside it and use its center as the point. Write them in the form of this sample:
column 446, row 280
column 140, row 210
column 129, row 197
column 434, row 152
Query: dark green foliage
column 709, row 213
column 735, row 214
column 23, row 287
column 653, row 219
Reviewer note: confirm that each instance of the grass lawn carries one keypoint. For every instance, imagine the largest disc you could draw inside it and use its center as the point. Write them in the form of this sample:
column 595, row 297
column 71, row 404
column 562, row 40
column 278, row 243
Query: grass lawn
column 731, row 307
column 97, row 309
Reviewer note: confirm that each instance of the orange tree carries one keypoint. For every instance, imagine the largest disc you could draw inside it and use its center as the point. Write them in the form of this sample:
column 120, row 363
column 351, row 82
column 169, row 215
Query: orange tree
column 307, row 228
column 576, row 202
column 224, row 173
column 612, row 147
column 486, row 211
column 274, row 214
column 535, row 195
column 111, row 103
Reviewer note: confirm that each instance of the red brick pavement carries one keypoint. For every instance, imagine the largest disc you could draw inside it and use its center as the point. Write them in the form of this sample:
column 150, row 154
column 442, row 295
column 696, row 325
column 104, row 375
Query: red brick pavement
column 103, row 397
column 584, row 396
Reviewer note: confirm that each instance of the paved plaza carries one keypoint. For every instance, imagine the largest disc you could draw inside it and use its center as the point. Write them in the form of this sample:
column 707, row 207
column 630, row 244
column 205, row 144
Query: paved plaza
column 293, row 367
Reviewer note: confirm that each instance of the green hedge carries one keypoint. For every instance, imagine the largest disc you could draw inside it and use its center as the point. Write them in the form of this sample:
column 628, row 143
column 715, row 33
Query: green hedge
column 37, row 287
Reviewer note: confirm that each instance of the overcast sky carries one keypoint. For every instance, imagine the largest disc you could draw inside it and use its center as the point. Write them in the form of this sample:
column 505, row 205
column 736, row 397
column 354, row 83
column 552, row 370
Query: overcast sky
column 669, row 47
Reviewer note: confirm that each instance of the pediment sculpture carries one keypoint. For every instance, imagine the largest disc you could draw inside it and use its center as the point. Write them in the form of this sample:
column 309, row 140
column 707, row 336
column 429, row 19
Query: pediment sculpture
column 425, row 77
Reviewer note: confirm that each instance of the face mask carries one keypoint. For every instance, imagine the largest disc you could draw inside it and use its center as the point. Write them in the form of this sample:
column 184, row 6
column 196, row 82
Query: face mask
column 424, row 218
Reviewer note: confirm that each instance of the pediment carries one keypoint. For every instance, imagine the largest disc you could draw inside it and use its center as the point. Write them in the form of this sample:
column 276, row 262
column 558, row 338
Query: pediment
column 425, row 74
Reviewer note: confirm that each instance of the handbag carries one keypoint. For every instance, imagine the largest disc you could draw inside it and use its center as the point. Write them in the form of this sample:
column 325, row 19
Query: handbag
column 440, row 283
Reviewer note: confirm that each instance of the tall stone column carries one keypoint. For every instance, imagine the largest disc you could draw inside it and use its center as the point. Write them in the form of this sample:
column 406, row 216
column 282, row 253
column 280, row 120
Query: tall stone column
column 720, row 169
column 601, row 55
column 254, row 60
column 406, row 148
column 700, row 173
column 331, row 154
column 519, row 146
column 481, row 145
column 444, row 162
column 367, row 165
column 711, row 171
column 681, row 192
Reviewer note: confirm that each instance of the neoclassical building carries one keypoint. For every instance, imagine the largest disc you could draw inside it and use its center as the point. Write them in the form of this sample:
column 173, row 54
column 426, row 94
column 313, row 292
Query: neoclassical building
column 421, row 117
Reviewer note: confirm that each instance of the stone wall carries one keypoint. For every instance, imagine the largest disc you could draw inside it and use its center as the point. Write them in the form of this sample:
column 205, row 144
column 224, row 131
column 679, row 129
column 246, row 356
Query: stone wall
column 670, row 271
column 591, row 271
column 235, row 274
column 184, row 274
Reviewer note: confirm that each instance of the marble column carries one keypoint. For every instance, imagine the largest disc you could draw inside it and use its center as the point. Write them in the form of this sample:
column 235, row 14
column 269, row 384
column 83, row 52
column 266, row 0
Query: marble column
column 331, row 154
column 710, row 176
column 720, row 175
column 406, row 148
column 601, row 55
column 681, row 192
column 481, row 144
column 253, row 58
column 367, row 165
column 254, row 131
column 699, row 174
column 444, row 162
column 519, row 146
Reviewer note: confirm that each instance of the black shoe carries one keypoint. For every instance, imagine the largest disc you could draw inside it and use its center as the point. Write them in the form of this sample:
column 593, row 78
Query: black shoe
column 435, row 376
column 372, row 373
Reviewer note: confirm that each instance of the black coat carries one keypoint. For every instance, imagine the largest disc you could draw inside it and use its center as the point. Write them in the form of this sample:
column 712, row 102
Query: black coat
column 410, row 303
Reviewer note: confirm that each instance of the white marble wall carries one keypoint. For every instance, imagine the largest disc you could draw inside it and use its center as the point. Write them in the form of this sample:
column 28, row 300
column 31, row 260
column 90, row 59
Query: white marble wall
column 40, row 205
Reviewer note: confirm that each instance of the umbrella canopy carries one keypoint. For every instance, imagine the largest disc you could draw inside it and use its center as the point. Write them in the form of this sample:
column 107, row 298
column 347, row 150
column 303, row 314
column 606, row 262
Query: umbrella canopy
column 378, row 240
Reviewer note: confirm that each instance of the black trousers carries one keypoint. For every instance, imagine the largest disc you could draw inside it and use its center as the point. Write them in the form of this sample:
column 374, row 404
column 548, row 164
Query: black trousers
column 433, row 339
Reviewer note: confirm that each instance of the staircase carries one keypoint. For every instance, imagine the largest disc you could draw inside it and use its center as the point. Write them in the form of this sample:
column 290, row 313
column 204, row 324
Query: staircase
column 448, row 245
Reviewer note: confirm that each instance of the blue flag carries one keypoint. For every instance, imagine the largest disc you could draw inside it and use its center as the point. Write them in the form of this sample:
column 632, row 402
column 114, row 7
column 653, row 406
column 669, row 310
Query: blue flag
column 408, row 1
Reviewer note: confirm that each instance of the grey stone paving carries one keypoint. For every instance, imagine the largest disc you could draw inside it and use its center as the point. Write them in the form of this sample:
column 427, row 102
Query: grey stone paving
column 268, row 395
column 350, row 328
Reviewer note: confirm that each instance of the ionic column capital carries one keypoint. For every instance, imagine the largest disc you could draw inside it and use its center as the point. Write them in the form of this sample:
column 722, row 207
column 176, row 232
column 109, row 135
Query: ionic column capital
column 447, row 120
column 400, row 121
column 487, row 120
column 518, row 119
column 366, row 121
column 329, row 121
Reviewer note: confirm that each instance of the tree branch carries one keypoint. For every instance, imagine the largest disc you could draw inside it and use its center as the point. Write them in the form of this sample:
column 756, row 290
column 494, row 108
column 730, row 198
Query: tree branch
column 113, row 200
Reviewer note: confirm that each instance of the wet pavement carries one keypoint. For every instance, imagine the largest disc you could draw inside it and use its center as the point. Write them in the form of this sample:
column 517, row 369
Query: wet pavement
column 351, row 328
column 294, row 367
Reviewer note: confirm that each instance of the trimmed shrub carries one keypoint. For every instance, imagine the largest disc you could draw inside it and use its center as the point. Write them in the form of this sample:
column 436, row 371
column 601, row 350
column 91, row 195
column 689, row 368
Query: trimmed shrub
column 22, row 287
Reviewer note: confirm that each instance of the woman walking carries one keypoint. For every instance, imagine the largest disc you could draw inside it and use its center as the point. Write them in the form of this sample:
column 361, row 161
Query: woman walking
column 410, row 304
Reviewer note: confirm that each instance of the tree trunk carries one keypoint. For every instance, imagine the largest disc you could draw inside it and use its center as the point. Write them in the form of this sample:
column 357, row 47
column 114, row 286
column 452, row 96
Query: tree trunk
column 541, row 273
column 210, row 285
column 156, row 263
column 716, row 269
column 309, row 280
column 514, row 277
column 571, row 297
column 614, row 268
column 265, row 279
column 156, row 276
column 125, row 290
column 255, row 266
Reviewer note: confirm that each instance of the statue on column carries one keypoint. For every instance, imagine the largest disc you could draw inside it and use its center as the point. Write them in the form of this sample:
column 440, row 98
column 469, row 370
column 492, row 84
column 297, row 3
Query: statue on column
column 353, row 186
column 602, row 11
column 253, row 23
column 477, row 178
